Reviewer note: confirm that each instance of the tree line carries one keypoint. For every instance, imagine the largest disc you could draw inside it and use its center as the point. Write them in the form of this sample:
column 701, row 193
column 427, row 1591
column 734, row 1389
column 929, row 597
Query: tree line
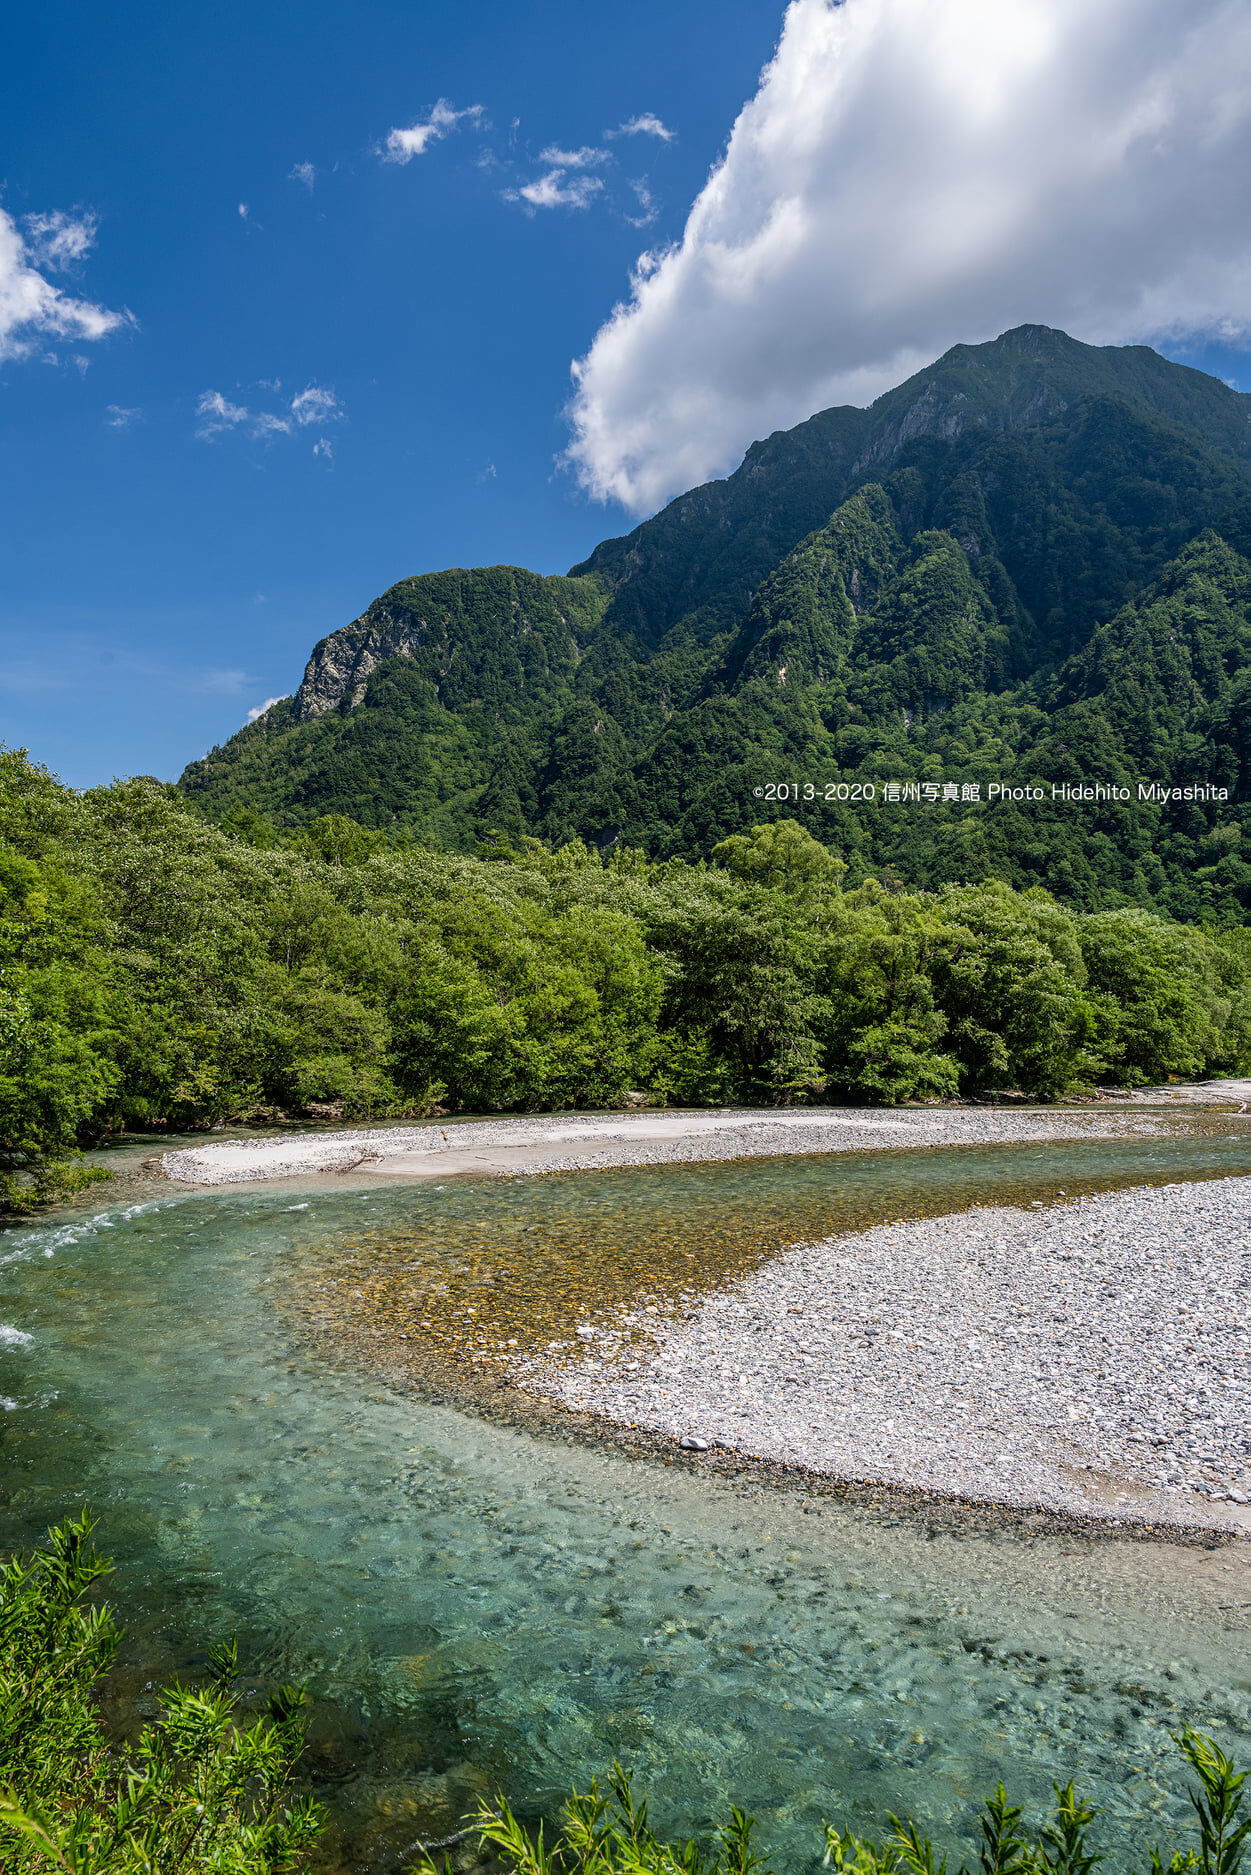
column 159, row 972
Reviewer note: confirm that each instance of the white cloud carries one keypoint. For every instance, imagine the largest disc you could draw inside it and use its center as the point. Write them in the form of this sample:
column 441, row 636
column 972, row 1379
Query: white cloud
column 262, row 708
column 244, row 211
column 912, row 173
column 555, row 190
column 119, row 418
column 269, row 423
column 585, row 158
column 31, row 308
column 647, row 208
column 57, row 241
column 315, row 405
column 305, row 173
column 324, row 448
column 312, row 406
column 216, row 414
column 646, row 124
column 402, row 145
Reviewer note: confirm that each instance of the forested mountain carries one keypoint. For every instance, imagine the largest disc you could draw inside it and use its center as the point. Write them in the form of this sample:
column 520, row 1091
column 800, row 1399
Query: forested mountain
column 1025, row 568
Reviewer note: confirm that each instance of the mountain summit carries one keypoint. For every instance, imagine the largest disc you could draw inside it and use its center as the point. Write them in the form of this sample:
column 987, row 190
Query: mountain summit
column 1022, row 571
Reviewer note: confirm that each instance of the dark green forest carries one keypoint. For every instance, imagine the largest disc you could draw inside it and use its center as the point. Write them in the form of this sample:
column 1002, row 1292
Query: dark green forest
column 159, row 972
column 1029, row 566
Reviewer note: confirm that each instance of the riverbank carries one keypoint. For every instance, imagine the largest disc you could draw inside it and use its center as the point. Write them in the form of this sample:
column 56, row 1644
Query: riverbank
column 1091, row 1360
column 587, row 1141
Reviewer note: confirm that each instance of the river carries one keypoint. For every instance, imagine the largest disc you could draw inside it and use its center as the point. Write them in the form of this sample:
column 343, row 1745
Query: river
column 480, row 1607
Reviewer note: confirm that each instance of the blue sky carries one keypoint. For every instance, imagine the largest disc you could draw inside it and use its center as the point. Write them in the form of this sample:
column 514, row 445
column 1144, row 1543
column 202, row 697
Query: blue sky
column 155, row 584
column 364, row 375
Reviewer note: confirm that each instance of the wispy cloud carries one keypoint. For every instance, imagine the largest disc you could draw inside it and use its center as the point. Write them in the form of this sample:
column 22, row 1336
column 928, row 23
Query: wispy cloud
column 244, row 211
column 32, row 309
column 574, row 176
column 314, row 405
column 217, row 414
column 324, row 448
column 403, row 145
column 262, row 709
column 556, row 189
column 305, row 173
column 588, row 157
column 119, row 418
column 646, row 124
column 58, row 241
column 648, row 210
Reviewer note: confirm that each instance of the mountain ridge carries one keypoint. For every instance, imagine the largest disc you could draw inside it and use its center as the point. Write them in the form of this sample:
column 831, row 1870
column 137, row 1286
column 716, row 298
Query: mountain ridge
column 976, row 529
column 1064, row 369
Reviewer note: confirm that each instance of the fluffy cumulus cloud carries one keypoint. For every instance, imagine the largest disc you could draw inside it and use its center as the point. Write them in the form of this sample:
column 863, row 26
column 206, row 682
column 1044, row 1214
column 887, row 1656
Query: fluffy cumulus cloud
column 913, row 173
column 312, row 407
column 33, row 308
column 402, row 146
column 262, row 709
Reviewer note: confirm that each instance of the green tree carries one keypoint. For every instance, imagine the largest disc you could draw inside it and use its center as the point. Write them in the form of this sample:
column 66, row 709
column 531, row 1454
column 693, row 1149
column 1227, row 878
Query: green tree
column 783, row 855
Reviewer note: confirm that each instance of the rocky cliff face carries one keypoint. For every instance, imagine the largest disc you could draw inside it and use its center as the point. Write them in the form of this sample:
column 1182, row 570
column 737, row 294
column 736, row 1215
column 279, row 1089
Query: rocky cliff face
column 341, row 665
column 478, row 634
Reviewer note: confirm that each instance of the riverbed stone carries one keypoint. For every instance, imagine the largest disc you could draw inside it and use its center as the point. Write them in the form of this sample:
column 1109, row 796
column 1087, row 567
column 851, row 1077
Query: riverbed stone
column 1094, row 1356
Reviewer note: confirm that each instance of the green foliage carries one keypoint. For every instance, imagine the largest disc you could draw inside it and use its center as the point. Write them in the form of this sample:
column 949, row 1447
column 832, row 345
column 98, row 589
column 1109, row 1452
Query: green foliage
column 781, row 854
column 337, row 840
column 1061, row 1846
column 204, row 1788
column 159, row 972
column 608, row 1833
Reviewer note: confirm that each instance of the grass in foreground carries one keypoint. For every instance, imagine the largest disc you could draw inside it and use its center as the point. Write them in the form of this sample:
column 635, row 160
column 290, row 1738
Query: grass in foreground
column 608, row 1833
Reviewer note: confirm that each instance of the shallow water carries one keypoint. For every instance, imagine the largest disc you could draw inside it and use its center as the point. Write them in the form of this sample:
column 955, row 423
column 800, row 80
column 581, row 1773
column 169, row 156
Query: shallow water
column 479, row 1609
column 456, row 1287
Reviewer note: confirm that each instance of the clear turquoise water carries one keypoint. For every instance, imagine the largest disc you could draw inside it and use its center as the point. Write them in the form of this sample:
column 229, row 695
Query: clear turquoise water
column 477, row 1608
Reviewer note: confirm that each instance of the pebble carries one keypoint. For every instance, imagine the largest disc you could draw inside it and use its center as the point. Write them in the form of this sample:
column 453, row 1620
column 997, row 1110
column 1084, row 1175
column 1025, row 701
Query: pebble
column 733, row 1134
column 1091, row 1357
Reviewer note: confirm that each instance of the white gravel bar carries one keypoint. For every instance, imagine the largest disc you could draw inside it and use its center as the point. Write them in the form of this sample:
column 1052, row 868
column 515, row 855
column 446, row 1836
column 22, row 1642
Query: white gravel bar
column 1091, row 1358
column 573, row 1141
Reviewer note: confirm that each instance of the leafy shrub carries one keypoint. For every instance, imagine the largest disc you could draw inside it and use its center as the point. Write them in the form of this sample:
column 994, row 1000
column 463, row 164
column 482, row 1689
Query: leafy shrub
column 203, row 1789
column 608, row 1833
